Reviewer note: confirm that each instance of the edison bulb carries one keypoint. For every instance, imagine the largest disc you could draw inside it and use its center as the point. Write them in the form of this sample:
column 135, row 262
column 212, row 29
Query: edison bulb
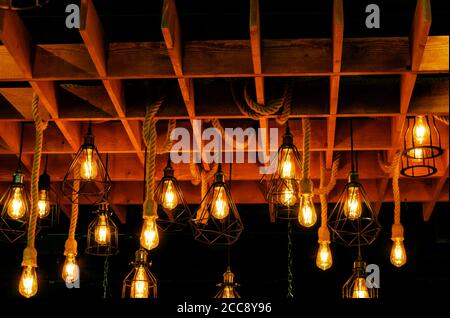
column 17, row 205
column 149, row 234
column 220, row 208
column 352, row 206
column 307, row 213
column 28, row 284
column 228, row 292
column 420, row 131
column 139, row 284
column 102, row 234
column 398, row 253
column 70, row 271
column 287, row 167
column 43, row 204
column 360, row 289
column 88, row 168
column 324, row 259
column 170, row 198
column 287, row 194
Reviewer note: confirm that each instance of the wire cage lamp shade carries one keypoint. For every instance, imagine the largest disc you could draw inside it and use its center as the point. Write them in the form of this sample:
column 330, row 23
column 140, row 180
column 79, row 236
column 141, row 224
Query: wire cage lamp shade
column 15, row 205
column 357, row 285
column 89, row 172
column 140, row 282
column 173, row 211
column 218, row 221
column 282, row 188
column 228, row 287
column 22, row 4
column 103, row 234
column 422, row 144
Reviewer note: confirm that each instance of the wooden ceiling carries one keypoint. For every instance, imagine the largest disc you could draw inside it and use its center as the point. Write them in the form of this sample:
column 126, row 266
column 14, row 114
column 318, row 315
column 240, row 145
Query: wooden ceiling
column 96, row 74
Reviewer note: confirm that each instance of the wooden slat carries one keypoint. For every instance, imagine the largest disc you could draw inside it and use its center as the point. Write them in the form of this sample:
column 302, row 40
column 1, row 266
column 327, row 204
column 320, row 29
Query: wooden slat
column 437, row 190
column 255, row 43
column 338, row 33
column 419, row 33
column 10, row 134
column 20, row 98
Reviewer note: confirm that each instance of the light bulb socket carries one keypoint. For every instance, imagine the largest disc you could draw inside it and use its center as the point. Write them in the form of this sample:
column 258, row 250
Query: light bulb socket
column 306, row 186
column 359, row 266
column 288, row 139
column 18, row 178
column 168, row 171
column 228, row 276
column 89, row 139
column 397, row 232
column 353, row 177
column 44, row 182
column 219, row 177
column 141, row 256
column 103, row 208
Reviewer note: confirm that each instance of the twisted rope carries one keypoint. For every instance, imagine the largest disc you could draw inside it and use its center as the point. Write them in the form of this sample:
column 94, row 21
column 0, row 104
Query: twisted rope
column 30, row 253
column 149, row 132
column 70, row 246
column 326, row 189
column 443, row 119
column 306, row 126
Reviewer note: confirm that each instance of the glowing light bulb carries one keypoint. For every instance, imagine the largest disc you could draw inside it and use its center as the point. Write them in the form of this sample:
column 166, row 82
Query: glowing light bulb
column 17, row 206
column 28, row 284
column 360, row 289
column 149, row 234
column 324, row 259
column 70, row 271
column 170, row 198
column 287, row 195
column 220, row 208
column 398, row 253
column 88, row 168
column 307, row 214
column 228, row 292
column 420, row 131
column 139, row 285
column 352, row 206
column 287, row 167
column 43, row 204
column 102, row 234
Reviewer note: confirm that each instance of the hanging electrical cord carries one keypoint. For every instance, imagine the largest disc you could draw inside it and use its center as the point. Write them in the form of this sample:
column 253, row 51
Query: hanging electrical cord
column 105, row 278
column 290, row 272
column 30, row 254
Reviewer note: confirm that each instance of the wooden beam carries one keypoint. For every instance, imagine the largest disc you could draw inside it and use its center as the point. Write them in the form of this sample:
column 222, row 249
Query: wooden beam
column 121, row 212
column 338, row 34
column 16, row 39
column 438, row 186
column 20, row 98
column 10, row 134
column 255, row 44
column 419, row 33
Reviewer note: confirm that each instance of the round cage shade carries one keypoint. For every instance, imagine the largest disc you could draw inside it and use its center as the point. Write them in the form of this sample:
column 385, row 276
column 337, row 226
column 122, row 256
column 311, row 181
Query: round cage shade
column 228, row 287
column 22, row 4
column 173, row 211
column 422, row 139
column 87, row 176
column 15, row 213
column 217, row 220
column 140, row 282
column 103, row 235
column 418, row 167
column 353, row 221
column 357, row 286
column 281, row 188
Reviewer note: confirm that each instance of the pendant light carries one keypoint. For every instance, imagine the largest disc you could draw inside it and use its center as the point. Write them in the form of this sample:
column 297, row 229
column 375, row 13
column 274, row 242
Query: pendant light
column 45, row 202
column 140, row 282
column 173, row 211
column 16, row 204
column 218, row 221
column 282, row 190
column 88, row 169
column 228, row 287
column 356, row 286
column 353, row 220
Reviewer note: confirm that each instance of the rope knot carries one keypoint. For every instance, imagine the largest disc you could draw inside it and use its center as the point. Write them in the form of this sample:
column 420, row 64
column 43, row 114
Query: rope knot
column 29, row 257
column 71, row 247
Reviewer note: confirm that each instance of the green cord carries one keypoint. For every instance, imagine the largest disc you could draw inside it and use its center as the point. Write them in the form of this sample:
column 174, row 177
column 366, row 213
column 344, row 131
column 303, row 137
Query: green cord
column 290, row 294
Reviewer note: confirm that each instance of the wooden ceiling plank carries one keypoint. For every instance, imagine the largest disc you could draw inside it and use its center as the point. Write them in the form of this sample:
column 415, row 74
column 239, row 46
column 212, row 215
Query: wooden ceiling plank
column 437, row 190
column 419, row 32
column 255, row 44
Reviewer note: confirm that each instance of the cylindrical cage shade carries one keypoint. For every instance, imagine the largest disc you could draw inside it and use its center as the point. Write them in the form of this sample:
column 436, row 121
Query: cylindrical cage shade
column 352, row 220
column 422, row 139
column 228, row 287
column 87, row 169
column 140, row 282
column 15, row 214
column 418, row 167
column 217, row 220
column 282, row 189
column 103, row 235
column 356, row 286
column 173, row 211
column 22, row 4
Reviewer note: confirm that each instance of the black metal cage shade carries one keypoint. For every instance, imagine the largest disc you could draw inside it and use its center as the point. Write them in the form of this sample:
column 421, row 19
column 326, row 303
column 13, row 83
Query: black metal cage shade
column 281, row 189
column 217, row 220
column 422, row 139
column 356, row 285
column 87, row 176
column 228, row 287
column 350, row 230
column 418, row 168
column 22, row 4
column 103, row 234
column 140, row 282
column 173, row 211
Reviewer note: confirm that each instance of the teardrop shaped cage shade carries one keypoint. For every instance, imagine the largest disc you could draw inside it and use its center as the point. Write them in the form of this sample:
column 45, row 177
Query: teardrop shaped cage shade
column 355, row 286
column 140, row 282
column 430, row 146
column 22, row 4
column 103, row 234
column 13, row 230
column 353, row 232
column 211, row 230
column 281, row 189
column 88, row 169
column 173, row 211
